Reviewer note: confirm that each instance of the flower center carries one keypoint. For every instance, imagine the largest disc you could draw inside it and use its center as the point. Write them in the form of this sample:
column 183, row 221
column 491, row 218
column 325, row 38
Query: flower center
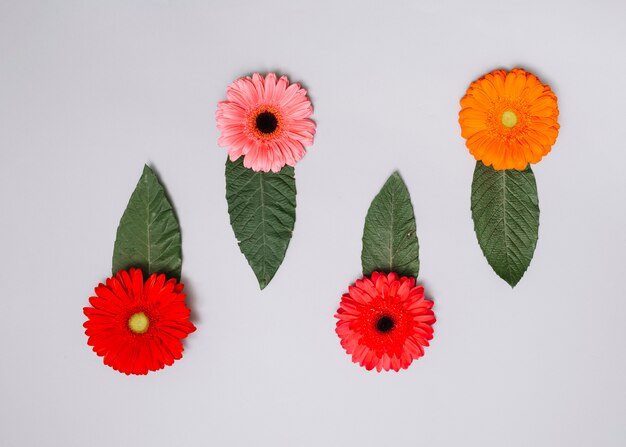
column 266, row 122
column 508, row 119
column 385, row 324
column 138, row 323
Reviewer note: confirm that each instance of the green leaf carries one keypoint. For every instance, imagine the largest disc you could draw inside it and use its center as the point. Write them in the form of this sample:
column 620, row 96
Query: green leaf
column 389, row 237
column 505, row 209
column 148, row 236
column 262, row 208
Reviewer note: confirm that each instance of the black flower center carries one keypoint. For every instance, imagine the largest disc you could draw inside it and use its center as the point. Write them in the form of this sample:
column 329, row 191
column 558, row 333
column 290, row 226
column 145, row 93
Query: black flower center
column 266, row 122
column 385, row 324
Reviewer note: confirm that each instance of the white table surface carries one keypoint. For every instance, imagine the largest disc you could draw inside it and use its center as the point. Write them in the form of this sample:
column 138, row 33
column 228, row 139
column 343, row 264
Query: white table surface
column 90, row 91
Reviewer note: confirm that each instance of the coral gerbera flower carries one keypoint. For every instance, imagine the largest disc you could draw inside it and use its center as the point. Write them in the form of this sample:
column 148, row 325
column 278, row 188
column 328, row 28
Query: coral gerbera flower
column 509, row 119
column 385, row 322
column 266, row 121
column 138, row 327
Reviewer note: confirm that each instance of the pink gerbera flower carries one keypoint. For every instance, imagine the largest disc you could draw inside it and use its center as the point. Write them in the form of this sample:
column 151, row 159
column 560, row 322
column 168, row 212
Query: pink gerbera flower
column 267, row 121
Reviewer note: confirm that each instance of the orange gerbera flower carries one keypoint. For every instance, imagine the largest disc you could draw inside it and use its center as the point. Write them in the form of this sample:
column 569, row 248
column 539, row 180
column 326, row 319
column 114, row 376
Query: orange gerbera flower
column 509, row 119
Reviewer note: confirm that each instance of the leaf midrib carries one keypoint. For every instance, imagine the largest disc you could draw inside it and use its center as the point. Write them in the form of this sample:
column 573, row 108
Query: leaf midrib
column 263, row 223
column 506, row 237
column 149, row 225
column 391, row 267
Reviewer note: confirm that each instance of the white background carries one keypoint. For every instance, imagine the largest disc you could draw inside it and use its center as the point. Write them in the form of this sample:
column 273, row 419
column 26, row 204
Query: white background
column 90, row 91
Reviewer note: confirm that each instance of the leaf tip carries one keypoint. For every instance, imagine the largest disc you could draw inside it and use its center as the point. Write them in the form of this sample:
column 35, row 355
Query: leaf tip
column 147, row 170
column 513, row 282
column 510, row 279
column 396, row 174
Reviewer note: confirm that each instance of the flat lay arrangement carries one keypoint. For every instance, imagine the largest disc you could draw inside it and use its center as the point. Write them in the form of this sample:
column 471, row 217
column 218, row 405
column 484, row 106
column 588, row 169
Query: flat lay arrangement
column 384, row 320
column 312, row 224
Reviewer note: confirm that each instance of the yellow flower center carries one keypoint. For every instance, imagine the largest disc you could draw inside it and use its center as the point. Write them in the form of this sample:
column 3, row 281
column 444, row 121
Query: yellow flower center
column 138, row 323
column 508, row 119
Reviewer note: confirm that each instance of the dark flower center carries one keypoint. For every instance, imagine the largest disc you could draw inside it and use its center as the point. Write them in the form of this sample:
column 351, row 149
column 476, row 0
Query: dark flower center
column 266, row 122
column 385, row 324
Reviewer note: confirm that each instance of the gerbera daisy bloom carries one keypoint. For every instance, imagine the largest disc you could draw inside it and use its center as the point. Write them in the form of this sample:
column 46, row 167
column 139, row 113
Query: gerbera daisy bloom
column 509, row 119
column 385, row 322
column 138, row 327
column 267, row 121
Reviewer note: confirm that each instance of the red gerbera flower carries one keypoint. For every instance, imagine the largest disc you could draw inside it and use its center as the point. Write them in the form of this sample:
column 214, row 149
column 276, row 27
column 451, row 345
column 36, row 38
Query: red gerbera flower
column 138, row 327
column 385, row 322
